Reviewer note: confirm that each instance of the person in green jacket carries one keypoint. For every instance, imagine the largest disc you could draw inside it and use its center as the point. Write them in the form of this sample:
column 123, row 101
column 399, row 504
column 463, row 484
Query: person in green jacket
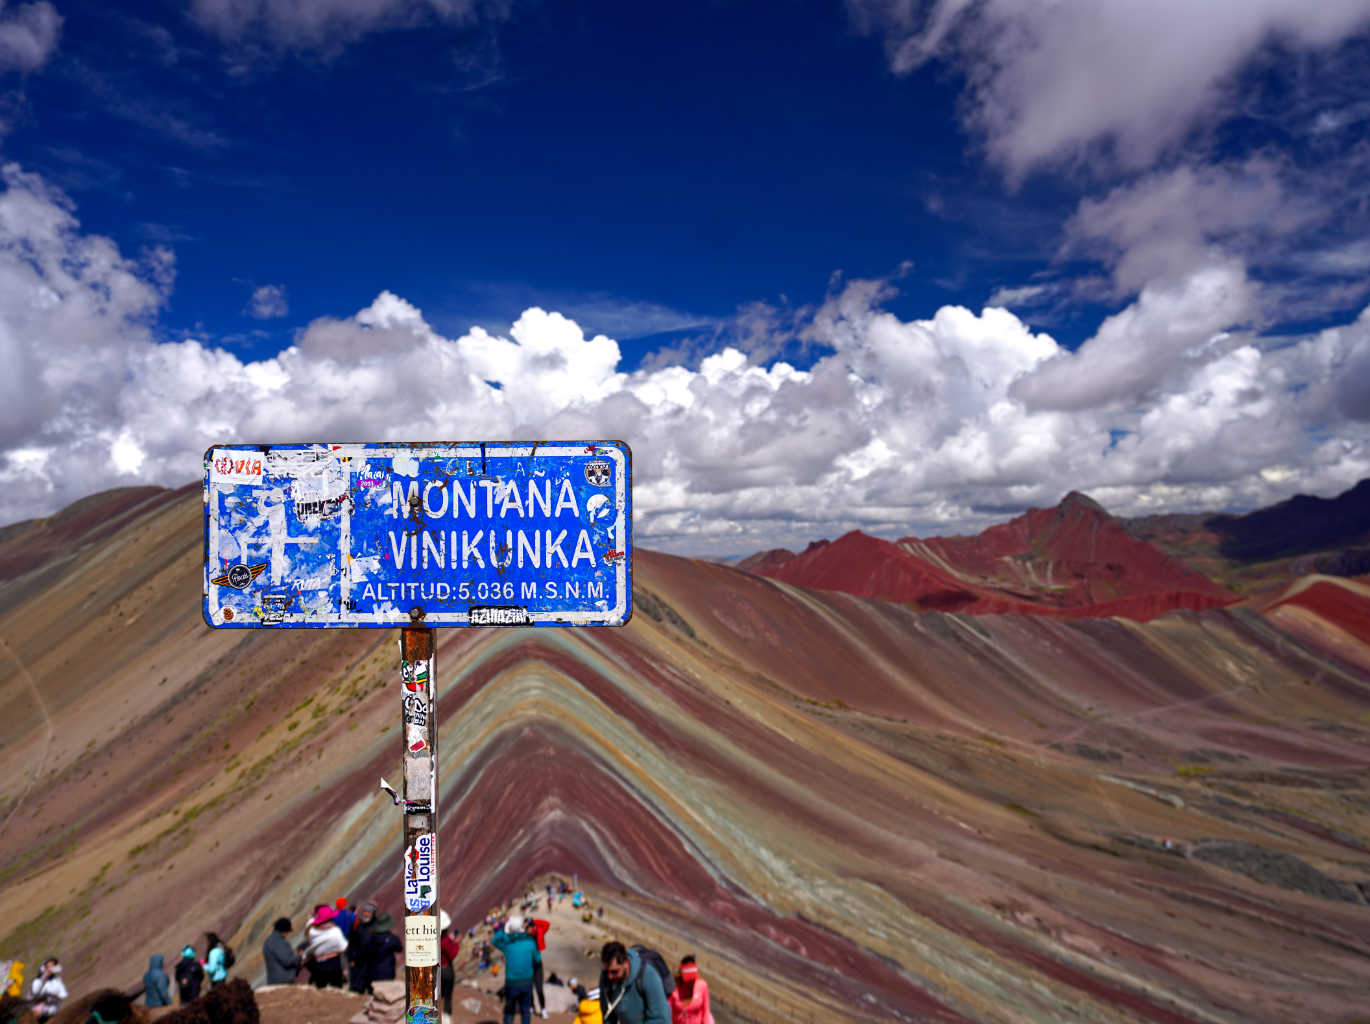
column 520, row 954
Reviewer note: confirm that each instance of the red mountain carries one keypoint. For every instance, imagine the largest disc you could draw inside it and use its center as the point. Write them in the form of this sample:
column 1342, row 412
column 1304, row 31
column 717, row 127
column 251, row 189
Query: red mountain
column 1071, row 561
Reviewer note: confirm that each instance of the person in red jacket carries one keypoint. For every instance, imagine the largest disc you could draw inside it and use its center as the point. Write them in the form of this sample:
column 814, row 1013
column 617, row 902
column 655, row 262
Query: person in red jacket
column 690, row 998
column 450, row 946
column 537, row 928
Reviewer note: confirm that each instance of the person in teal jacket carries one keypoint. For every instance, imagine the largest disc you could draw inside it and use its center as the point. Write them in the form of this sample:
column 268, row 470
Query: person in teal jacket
column 630, row 992
column 156, row 985
column 215, row 967
column 520, row 954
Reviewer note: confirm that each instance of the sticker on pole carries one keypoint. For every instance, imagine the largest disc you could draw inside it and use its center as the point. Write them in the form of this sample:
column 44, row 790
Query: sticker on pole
column 421, row 941
column 465, row 534
column 419, row 872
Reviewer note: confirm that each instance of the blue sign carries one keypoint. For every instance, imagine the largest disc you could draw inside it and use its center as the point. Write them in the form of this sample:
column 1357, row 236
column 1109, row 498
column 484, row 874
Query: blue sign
column 467, row 534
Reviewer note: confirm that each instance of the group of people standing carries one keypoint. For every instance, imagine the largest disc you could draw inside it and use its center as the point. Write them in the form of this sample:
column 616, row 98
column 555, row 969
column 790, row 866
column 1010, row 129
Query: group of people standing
column 48, row 990
column 340, row 948
column 190, row 971
column 636, row 987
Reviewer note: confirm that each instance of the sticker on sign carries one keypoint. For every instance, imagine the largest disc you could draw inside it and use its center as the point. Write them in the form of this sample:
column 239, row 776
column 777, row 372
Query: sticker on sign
column 466, row 533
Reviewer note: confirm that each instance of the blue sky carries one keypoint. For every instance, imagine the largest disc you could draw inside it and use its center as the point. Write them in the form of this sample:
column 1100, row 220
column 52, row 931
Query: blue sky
column 586, row 156
column 871, row 264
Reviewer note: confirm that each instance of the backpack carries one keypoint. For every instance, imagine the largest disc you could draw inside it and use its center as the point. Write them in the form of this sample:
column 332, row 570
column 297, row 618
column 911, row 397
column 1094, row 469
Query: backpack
column 651, row 956
column 229, row 958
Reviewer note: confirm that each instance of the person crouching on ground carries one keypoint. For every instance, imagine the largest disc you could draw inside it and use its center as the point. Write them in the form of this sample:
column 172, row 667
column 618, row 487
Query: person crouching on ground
column 520, row 954
column 630, row 992
column 323, row 949
column 689, row 1000
column 282, row 962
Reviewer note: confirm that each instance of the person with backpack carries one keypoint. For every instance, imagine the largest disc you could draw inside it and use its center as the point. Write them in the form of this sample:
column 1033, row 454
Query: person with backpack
column 189, row 975
column 537, row 928
column 689, row 1000
column 634, row 985
column 156, row 985
column 381, row 946
column 218, row 959
column 520, row 954
column 358, row 979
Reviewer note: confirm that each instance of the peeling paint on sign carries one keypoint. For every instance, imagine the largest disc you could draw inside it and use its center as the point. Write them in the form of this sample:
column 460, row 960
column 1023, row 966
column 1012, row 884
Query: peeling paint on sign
column 459, row 534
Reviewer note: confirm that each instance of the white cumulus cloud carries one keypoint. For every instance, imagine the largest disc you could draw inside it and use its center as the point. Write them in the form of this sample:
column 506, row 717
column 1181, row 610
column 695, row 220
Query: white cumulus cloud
column 1048, row 82
column 901, row 426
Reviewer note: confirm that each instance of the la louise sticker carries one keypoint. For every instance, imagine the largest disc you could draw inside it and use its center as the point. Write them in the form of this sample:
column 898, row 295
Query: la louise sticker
column 420, row 941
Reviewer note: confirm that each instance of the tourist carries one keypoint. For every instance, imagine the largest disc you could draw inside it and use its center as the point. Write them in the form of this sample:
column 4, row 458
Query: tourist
column 587, row 1005
column 520, row 951
column 323, row 950
column 216, row 960
column 630, row 991
column 13, row 980
column 282, row 962
column 343, row 917
column 689, row 1000
column 48, row 990
column 537, row 928
column 448, row 946
column 357, row 977
column 190, row 975
column 156, row 985
column 379, row 952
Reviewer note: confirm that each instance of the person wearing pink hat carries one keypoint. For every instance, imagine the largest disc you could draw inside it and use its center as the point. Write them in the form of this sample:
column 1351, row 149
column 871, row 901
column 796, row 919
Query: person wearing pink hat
column 324, row 945
column 689, row 999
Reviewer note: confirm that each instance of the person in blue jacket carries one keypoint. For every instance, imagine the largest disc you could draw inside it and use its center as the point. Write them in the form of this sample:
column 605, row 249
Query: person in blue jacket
column 520, row 954
column 216, row 968
column 630, row 992
column 156, row 985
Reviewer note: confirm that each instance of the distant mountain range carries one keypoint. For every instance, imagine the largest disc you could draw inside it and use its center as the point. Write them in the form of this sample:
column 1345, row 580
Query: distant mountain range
column 849, row 809
column 1077, row 561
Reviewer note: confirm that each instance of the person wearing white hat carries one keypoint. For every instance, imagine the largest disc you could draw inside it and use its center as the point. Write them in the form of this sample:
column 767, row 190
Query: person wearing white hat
column 449, row 945
column 520, row 954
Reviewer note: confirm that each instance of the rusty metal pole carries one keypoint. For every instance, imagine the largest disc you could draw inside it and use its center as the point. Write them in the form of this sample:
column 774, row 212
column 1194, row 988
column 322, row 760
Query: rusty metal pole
column 421, row 949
